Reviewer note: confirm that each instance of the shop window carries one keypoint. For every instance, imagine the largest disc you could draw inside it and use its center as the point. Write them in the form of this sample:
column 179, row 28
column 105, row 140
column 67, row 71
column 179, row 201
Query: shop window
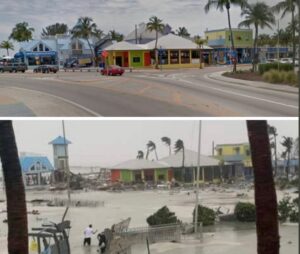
column 161, row 178
column 195, row 54
column 185, row 57
column 136, row 59
column 38, row 166
column 163, row 57
column 32, row 168
column 46, row 49
column 41, row 47
column 35, row 49
column 174, row 57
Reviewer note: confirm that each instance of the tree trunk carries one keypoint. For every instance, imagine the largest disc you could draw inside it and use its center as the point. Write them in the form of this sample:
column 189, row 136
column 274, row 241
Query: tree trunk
column 200, row 56
column 93, row 53
column 156, row 51
column 183, row 168
column 7, row 52
column 293, row 36
column 288, row 165
column 169, row 149
column 156, row 154
column 15, row 193
column 231, row 34
column 255, row 55
column 265, row 194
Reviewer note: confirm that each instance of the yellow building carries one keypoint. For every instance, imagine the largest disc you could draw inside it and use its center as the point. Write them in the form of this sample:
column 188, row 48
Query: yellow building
column 236, row 154
column 174, row 52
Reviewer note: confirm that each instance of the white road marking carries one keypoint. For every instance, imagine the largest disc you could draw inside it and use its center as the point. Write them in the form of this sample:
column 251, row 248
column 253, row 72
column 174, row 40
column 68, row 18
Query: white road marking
column 62, row 99
column 228, row 92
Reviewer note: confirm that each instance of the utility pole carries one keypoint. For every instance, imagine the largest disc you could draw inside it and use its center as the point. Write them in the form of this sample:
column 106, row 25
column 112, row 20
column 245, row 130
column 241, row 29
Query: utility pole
column 136, row 35
column 67, row 163
column 197, row 180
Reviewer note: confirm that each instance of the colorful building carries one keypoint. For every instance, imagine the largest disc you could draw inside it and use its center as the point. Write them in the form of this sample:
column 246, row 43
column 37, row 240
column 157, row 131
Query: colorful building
column 238, row 155
column 141, row 170
column 60, row 147
column 174, row 52
column 210, row 170
column 36, row 170
column 220, row 41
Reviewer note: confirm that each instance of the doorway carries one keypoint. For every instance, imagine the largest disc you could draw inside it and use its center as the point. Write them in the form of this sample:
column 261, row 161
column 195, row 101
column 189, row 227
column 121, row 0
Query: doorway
column 119, row 61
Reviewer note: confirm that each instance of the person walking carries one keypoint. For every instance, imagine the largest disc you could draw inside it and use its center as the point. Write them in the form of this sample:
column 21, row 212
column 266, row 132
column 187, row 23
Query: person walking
column 88, row 233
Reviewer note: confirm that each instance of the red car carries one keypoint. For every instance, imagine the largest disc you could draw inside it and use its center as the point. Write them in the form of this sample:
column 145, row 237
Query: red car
column 112, row 70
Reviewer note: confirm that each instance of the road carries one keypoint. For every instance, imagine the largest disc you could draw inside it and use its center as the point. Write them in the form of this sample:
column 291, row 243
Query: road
column 143, row 93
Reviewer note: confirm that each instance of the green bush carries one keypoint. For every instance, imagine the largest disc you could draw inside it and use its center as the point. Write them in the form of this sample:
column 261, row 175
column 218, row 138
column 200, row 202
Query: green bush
column 262, row 68
column 205, row 215
column 161, row 217
column 245, row 212
column 284, row 209
column 281, row 77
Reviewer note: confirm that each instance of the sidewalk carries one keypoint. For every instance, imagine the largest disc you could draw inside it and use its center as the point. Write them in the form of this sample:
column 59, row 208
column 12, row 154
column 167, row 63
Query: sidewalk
column 263, row 85
column 17, row 102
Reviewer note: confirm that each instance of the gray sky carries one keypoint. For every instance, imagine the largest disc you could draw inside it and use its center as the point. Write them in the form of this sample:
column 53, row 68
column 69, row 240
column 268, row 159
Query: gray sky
column 107, row 142
column 120, row 15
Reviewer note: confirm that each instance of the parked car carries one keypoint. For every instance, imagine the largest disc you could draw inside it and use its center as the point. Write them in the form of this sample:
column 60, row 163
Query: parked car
column 271, row 61
column 286, row 60
column 13, row 67
column 46, row 69
column 113, row 70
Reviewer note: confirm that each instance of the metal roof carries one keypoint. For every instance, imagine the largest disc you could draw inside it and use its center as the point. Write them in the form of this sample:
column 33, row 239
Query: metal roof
column 28, row 161
column 169, row 41
column 172, row 41
column 60, row 141
column 191, row 160
column 138, row 164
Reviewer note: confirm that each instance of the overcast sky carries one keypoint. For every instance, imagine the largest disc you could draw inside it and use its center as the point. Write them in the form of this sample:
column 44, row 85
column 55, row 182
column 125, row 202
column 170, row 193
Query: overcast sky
column 121, row 15
column 106, row 143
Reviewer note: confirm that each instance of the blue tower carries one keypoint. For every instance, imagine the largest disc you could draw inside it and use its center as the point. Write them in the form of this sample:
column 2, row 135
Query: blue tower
column 60, row 146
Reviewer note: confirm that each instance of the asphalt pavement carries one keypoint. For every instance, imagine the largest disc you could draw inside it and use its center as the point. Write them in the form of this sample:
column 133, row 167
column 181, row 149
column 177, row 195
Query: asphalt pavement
column 143, row 93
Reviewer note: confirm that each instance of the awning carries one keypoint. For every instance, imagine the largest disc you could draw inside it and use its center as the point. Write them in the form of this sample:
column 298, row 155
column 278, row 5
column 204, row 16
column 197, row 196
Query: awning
column 36, row 54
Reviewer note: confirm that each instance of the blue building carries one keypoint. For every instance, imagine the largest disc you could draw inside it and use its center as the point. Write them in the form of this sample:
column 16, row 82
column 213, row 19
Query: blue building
column 60, row 147
column 36, row 170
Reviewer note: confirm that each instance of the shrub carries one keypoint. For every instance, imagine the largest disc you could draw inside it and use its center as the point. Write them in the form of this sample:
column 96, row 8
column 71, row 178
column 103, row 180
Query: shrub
column 245, row 212
column 262, row 68
column 284, row 209
column 282, row 77
column 205, row 215
column 162, row 216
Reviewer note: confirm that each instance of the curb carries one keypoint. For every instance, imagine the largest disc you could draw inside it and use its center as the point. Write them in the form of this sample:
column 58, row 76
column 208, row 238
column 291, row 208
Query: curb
column 219, row 77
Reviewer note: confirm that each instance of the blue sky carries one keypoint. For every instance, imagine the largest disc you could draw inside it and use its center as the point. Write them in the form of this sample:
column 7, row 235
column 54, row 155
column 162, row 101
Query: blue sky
column 121, row 15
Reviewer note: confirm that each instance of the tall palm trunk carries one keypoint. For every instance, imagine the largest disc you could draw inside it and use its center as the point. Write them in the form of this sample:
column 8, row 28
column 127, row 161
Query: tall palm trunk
column 287, row 169
column 93, row 53
column 156, row 154
column 14, row 188
column 255, row 53
column 7, row 52
column 183, row 168
column 169, row 149
column 231, row 34
column 294, row 36
column 265, row 194
column 156, row 50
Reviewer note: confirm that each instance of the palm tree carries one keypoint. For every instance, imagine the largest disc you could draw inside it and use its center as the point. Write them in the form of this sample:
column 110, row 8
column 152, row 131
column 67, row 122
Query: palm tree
column 284, row 37
column 265, row 194
column 220, row 5
column 150, row 148
column 140, row 155
column 155, row 24
column 199, row 41
column 179, row 146
column 183, row 32
column 57, row 28
column 289, row 6
column 167, row 141
column 115, row 36
column 265, row 40
column 273, row 138
column 287, row 143
column 7, row 45
column 15, row 193
column 21, row 32
column 86, row 28
column 259, row 15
